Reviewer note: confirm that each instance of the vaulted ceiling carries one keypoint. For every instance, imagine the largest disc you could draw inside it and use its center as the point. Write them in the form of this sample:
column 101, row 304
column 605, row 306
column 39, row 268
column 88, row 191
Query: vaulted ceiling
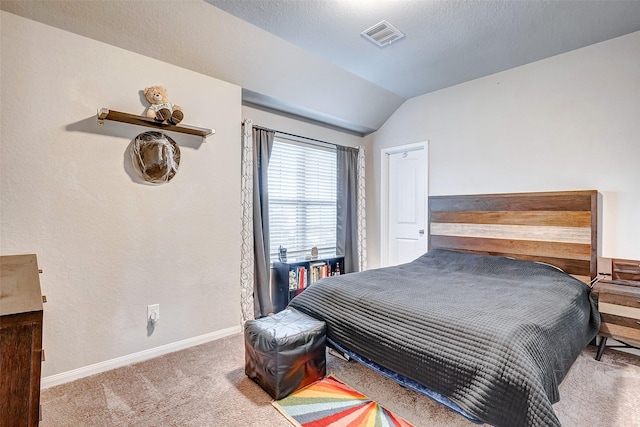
column 308, row 58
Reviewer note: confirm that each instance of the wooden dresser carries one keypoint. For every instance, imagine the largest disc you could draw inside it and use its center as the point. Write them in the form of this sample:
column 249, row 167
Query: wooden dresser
column 20, row 340
column 619, row 304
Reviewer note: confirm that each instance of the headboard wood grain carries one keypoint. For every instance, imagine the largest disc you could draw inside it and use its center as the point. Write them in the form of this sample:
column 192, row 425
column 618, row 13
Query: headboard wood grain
column 558, row 228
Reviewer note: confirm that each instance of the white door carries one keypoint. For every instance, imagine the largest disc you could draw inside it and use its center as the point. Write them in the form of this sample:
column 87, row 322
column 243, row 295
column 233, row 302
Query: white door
column 406, row 205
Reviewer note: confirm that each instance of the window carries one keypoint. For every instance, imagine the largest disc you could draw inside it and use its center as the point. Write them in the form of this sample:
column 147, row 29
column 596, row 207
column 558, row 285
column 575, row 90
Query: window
column 302, row 198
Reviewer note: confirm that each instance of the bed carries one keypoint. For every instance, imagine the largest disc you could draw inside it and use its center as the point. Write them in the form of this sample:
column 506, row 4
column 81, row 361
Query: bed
column 491, row 318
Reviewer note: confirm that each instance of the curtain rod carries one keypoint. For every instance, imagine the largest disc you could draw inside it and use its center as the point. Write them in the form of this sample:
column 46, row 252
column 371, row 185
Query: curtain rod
column 303, row 137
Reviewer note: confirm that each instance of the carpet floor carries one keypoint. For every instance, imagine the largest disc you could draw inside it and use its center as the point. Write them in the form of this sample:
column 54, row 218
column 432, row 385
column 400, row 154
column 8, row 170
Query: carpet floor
column 206, row 386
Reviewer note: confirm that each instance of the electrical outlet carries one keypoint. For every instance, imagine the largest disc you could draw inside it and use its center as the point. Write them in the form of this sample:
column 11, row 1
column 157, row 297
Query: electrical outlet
column 153, row 313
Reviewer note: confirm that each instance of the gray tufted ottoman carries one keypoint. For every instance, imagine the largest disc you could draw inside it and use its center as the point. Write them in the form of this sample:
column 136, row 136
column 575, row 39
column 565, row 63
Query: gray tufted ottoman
column 285, row 351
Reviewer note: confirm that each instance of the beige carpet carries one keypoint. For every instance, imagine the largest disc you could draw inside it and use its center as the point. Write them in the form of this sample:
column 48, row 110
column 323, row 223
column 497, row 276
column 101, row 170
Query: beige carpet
column 206, row 386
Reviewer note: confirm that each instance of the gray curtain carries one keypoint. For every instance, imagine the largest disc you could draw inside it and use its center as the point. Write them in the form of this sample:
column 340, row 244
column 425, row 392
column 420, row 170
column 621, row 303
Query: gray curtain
column 262, row 147
column 347, row 207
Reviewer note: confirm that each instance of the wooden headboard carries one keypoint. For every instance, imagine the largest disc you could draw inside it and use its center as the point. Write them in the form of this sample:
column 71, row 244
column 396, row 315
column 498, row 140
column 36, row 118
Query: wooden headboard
column 558, row 228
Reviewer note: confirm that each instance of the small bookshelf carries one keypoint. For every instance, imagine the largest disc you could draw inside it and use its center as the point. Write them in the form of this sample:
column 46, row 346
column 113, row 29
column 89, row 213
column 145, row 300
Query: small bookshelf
column 292, row 278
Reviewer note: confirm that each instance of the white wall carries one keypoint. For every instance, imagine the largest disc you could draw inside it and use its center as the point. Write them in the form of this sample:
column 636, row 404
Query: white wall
column 570, row 122
column 108, row 243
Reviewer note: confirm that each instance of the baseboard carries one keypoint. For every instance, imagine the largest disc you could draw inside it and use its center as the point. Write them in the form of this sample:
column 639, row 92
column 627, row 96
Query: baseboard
column 107, row 365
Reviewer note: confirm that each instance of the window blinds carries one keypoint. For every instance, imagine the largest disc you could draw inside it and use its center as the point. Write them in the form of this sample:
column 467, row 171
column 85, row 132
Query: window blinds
column 302, row 199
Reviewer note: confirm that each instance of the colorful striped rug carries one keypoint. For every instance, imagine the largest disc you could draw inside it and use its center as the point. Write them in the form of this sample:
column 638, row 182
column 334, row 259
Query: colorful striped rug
column 331, row 403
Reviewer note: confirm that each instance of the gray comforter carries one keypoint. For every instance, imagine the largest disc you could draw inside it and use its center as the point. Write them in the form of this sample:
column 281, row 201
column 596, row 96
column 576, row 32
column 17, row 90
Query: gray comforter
column 495, row 335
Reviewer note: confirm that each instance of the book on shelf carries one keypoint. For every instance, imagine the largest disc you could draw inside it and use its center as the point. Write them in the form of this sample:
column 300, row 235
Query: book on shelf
column 293, row 280
column 303, row 276
column 318, row 270
column 298, row 278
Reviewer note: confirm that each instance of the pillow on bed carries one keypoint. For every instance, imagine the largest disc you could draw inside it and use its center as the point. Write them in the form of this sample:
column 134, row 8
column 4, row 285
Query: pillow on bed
column 550, row 265
column 541, row 263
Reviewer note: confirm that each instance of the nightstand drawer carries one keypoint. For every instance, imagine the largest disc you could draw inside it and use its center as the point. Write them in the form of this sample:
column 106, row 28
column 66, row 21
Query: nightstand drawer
column 625, row 300
column 627, row 322
column 628, row 335
column 619, row 310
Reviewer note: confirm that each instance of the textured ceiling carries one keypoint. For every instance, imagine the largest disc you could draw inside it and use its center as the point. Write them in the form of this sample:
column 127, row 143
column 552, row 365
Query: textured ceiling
column 447, row 42
column 307, row 57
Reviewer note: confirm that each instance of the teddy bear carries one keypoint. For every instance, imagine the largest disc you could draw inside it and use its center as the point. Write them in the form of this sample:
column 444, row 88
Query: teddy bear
column 161, row 109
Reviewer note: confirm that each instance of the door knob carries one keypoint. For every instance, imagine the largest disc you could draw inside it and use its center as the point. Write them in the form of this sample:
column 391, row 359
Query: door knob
column 421, row 232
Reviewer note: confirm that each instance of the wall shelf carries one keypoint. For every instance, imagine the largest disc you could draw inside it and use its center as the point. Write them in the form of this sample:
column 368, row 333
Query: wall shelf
column 118, row 116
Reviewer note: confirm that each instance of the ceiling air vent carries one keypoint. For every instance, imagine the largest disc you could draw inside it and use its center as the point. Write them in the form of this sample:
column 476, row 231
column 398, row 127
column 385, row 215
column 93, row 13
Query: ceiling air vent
column 382, row 34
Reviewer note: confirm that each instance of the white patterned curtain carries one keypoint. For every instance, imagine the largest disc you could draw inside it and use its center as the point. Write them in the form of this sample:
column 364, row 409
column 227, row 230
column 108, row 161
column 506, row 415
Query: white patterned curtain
column 361, row 213
column 246, row 248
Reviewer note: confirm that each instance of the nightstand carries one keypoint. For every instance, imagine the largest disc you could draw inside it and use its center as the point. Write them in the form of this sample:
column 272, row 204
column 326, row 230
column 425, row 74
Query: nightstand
column 619, row 305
